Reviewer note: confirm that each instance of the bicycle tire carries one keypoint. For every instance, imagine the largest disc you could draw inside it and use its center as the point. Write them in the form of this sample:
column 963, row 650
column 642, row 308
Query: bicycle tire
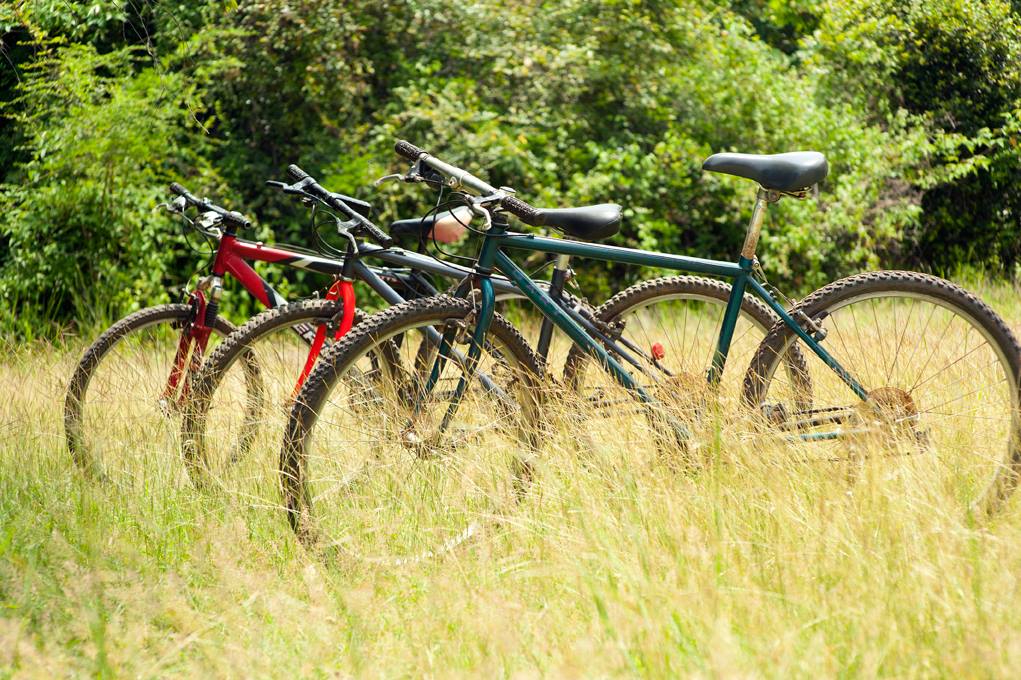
column 339, row 362
column 77, row 391
column 842, row 295
column 679, row 317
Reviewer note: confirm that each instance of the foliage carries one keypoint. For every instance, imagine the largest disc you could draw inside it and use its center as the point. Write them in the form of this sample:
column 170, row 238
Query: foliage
column 570, row 102
column 955, row 67
column 102, row 139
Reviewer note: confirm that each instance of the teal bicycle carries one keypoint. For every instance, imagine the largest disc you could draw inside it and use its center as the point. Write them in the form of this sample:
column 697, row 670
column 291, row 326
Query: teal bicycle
column 407, row 459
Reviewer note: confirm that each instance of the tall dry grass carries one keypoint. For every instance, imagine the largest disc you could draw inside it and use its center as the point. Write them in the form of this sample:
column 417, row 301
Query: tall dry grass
column 757, row 565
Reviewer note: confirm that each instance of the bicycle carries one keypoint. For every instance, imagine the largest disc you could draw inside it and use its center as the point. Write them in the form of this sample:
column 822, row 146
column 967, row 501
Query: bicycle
column 136, row 378
column 219, row 386
column 856, row 397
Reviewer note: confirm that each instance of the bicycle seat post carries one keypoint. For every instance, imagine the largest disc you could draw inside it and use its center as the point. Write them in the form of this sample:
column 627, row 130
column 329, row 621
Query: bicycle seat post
column 561, row 272
column 762, row 198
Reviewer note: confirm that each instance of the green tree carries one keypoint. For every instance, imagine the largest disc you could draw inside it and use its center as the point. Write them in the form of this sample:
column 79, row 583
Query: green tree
column 570, row 102
column 955, row 67
column 103, row 135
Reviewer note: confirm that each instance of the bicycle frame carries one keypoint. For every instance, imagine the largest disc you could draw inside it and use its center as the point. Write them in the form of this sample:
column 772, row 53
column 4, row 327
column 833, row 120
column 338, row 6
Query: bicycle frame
column 233, row 256
column 493, row 256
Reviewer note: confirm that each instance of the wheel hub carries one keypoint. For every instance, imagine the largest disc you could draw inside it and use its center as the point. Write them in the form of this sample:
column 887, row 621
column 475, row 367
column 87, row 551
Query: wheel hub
column 889, row 407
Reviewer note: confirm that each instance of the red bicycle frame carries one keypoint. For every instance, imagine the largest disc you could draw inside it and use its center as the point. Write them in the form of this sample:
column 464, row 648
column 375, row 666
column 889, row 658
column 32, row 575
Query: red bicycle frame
column 344, row 290
column 232, row 257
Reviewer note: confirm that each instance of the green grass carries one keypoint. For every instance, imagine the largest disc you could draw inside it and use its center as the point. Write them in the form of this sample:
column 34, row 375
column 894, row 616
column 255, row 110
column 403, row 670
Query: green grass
column 759, row 568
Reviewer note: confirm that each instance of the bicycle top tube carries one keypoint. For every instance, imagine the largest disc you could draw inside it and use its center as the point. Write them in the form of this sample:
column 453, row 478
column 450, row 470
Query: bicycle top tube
column 397, row 257
column 595, row 222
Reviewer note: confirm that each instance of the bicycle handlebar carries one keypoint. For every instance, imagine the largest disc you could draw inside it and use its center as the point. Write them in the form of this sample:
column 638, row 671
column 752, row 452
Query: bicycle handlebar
column 463, row 177
column 229, row 217
column 341, row 203
column 523, row 211
column 296, row 173
column 408, row 150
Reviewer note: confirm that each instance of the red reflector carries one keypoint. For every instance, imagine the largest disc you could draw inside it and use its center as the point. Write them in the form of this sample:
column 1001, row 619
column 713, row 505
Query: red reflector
column 657, row 351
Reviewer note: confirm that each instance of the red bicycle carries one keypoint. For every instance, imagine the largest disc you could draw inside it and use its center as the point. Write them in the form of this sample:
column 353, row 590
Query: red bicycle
column 123, row 399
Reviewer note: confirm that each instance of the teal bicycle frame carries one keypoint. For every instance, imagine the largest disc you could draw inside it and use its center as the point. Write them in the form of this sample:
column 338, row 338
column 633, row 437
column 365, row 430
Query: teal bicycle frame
column 493, row 256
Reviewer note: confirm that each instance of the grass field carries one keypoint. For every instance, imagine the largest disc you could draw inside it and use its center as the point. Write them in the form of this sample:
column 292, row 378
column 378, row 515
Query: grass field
column 758, row 567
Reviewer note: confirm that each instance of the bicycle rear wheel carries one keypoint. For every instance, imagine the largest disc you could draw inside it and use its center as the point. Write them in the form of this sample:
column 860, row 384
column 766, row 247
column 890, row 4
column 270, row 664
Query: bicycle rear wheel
column 940, row 370
column 120, row 420
column 666, row 332
column 372, row 466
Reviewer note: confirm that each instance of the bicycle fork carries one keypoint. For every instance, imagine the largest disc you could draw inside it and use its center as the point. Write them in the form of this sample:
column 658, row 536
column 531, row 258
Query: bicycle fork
column 192, row 345
column 343, row 290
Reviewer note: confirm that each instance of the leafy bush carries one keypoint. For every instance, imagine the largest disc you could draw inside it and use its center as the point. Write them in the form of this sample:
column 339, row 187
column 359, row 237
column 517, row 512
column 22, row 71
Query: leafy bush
column 590, row 122
column 955, row 67
column 103, row 137
column 570, row 102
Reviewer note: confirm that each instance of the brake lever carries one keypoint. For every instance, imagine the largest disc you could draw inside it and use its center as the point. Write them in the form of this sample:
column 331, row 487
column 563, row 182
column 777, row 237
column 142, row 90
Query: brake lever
column 177, row 205
column 390, row 178
column 415, row 174
column 342, row 230
column 344, row 226
column 207, row 220
column 500, row 194
column 297, row 189
column 478, row 209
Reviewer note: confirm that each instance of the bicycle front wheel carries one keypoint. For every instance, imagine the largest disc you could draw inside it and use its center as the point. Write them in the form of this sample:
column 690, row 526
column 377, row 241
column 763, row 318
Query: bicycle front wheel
column 121, row 414
column 377, row 466
column 939, row 371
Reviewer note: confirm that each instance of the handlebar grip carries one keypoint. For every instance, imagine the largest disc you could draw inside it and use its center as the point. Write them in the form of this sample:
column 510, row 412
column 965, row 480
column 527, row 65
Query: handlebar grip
column 237, row 219
column 408, row 150
column 377, row 235
column 187, row 195
column 523, row 211
column 296, row 173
